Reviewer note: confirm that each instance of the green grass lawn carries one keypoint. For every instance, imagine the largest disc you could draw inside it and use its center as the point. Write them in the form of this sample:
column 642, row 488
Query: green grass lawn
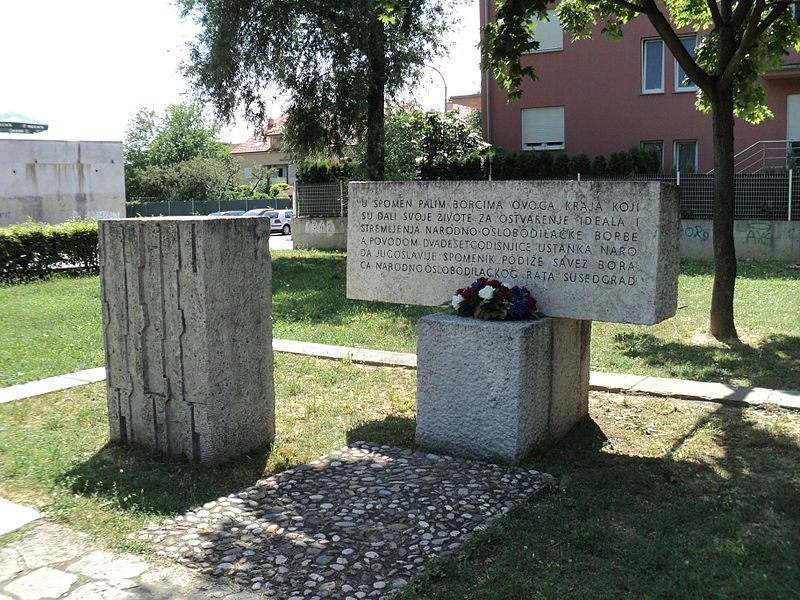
column 655, row 498
column 54, row 327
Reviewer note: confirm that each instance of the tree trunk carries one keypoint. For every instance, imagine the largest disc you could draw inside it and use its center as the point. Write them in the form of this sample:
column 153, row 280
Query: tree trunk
column 721, row 319
column 375, row 98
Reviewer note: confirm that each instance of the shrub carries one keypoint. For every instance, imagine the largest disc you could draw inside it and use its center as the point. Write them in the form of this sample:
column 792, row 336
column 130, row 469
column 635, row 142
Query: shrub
column 33, row 250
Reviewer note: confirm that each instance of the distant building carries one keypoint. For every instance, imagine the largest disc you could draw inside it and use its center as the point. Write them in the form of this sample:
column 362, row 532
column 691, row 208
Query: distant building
column 265, row 149
column 50, row 181
column 464, row 104
column 599, row 96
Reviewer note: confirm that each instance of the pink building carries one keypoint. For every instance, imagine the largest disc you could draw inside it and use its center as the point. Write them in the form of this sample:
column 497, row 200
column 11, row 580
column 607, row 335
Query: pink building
column 599, row 96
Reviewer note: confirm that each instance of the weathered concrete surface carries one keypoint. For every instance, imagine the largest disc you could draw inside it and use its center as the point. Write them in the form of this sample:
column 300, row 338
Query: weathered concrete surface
column 754, row 239
column 188, row 334
column 321, row 233
column 605, row 251
column 52, row 181
column 497, row 389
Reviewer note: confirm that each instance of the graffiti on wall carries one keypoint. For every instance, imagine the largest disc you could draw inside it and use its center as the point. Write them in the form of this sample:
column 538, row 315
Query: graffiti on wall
column 695, row 232
column 759, row 233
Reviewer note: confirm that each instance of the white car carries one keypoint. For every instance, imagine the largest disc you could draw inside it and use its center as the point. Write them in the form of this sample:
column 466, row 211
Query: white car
column 280, row 220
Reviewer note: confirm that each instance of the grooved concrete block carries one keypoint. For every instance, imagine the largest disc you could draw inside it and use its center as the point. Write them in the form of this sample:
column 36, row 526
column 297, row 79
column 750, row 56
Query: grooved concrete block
column 499, row 389
column 188, row 334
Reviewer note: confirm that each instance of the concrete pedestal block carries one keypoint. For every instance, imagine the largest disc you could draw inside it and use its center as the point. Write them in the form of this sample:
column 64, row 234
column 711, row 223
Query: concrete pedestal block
column 499, row 389
column 188, row 334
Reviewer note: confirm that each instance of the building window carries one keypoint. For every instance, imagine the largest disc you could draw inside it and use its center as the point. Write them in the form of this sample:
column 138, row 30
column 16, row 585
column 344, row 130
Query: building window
column 543, row 128
column 658, row 148
column 796, row 8
column 548, row 33
column 248, row 172
column 682, row 81
column 652, row 67
column 279, row 172
column 686, row 156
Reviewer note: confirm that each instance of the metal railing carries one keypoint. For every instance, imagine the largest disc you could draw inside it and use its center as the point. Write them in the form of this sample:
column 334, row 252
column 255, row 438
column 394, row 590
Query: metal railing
column 767, row 155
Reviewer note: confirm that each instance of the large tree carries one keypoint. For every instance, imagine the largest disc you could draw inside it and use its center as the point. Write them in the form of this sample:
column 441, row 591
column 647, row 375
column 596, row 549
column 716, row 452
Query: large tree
column 176, row 156
column 739, row 40
column 337, row 61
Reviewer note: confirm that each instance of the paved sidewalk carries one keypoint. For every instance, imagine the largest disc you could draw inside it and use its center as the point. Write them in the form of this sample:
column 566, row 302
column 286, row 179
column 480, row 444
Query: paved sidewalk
column 51, row 561
column 598, row 381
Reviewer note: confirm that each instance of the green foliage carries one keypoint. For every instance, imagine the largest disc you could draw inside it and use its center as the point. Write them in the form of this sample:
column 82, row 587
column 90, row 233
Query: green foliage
column 426, row 144
column 337, row 63
column 579, row 163
column 32, row 250
column 561, row 165
column 175, row 157
column 198, row 179
column 324, row 171
column 599, row 165
column 181, row 134
column 278, row 190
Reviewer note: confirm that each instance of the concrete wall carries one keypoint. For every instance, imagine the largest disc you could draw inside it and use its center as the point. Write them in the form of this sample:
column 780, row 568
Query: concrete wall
column 322, row 233
column 53, row 181
column 776, row 240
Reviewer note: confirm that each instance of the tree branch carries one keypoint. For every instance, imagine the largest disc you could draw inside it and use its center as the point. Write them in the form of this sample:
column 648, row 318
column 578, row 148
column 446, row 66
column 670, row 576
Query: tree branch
column 715, row 15
column 630, row 6
column 752, row 33
column 741, row 12
column 670, row 37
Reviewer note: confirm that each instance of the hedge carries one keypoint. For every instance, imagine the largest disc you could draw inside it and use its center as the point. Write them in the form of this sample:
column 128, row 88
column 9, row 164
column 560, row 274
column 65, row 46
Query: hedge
column 34, row 250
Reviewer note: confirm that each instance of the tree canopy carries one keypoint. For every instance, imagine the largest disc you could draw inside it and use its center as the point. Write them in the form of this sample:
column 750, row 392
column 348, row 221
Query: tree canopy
column 182, row 133
column 176, row 156
column 337, row 62
column 738, row 41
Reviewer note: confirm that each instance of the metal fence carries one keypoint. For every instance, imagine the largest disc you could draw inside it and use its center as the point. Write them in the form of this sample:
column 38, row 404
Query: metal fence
column 321, row 199
column 167, row 209
column 771, row 196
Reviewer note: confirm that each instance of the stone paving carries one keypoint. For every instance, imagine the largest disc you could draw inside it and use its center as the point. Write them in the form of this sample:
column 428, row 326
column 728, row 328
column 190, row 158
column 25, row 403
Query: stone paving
column 51, row 561
column 358, row 523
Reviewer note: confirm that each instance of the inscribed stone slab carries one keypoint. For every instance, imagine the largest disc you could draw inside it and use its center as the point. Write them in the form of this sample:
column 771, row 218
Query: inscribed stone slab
column 605, row 251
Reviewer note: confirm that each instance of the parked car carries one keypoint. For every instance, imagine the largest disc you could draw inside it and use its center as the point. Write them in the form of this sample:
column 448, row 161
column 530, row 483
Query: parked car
column 280, row 220
column 227, row 213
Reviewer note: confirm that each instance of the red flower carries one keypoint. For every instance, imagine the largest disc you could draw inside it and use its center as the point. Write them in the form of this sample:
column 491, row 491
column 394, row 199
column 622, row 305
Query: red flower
column 467, row 293
column 504, row 292
column 531, row 303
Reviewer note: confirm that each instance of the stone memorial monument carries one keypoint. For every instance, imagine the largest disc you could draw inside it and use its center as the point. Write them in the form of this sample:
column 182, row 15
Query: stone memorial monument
column 188, row 334
column 604, row 251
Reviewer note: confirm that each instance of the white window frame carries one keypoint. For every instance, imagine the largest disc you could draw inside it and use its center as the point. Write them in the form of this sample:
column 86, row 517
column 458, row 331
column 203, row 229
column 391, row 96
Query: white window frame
column 248, row 173
column 679, row 70
column 645, row 43
column 548, row 133
column 677, row 157
column 660, row 143
column 552, row 41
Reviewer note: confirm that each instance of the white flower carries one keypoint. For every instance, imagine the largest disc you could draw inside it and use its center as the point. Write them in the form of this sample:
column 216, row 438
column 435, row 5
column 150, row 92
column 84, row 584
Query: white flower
column 457, row 299
column 486, row 292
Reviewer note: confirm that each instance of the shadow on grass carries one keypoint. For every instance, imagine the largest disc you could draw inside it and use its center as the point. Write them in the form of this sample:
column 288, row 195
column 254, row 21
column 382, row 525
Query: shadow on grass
column 393, row 431
column 621, row 526
column 774, row 360
column 747, row 269
column 132, row 477
column 312, row 289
